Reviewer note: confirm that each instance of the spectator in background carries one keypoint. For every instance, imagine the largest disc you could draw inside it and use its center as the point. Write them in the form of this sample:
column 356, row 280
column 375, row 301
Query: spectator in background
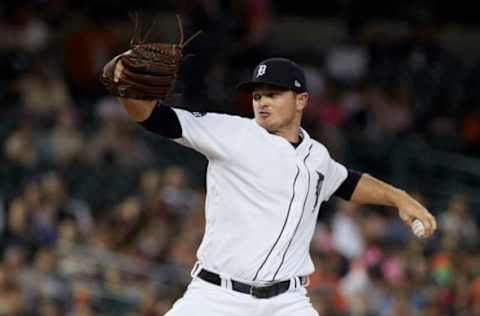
column 420, row 46
column 11, row 300
column 254, row 31
column 458, row 226
column 150, row 182
column 176, row 193
column 150, row 187
column 116, row 143
column 86, row 50
column 66, row 143
column 24, row 30
column 69, row 236
column 355, row 288
column 43, row 90
column 366, row 122
column 325, row 284
column 401, row 117
column 327, row 117
column 347, row 236
column 347, row 63
column 153, row 240
column 34, row 217
column 126, row 221
column 44, row 282
column 22, row 146
column 16, row 260
column 474, row 297
column 2, row 220
column 31, row 221
column 57, row 196
column 205, row 52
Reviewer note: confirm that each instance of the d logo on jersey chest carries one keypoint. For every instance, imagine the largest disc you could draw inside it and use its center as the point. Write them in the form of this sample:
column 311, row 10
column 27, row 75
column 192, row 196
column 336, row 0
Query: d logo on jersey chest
column 318, row 189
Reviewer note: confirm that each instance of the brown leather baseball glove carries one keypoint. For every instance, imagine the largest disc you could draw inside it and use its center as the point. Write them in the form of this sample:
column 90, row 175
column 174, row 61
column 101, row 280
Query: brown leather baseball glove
column 148, row 70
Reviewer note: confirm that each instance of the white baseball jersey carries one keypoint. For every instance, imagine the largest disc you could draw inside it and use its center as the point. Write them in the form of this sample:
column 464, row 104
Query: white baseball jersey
column 263, row 196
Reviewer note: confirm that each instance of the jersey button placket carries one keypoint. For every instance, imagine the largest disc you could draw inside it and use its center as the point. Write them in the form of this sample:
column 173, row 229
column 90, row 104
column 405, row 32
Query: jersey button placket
column 300, row 187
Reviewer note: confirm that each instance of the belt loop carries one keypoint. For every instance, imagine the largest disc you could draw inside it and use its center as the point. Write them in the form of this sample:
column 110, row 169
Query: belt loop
column 293, row 283
column 195, row 270
column 224, row 282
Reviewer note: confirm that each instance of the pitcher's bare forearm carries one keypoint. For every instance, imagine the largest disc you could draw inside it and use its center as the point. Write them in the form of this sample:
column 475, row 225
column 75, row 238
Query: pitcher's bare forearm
column 370, row 190
column 138, row 110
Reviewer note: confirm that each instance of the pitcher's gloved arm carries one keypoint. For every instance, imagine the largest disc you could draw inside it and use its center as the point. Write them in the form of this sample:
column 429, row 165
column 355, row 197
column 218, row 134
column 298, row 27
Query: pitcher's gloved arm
column 163, row 121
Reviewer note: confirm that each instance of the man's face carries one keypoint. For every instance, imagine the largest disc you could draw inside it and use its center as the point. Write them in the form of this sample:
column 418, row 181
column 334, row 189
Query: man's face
column 276, row 109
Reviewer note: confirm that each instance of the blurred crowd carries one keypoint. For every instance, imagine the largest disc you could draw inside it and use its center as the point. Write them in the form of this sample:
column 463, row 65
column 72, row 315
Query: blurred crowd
column 60, row 257
column 98, row 217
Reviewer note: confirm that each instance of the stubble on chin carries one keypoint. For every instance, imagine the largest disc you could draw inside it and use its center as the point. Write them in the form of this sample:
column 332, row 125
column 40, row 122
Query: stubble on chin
column 270, row 129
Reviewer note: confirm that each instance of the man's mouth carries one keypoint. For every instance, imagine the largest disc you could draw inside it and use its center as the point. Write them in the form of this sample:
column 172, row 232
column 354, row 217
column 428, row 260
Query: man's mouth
column 264, row 114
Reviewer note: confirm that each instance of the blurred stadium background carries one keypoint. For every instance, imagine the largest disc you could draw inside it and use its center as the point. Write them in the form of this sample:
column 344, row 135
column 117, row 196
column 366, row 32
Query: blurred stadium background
column 98, row 217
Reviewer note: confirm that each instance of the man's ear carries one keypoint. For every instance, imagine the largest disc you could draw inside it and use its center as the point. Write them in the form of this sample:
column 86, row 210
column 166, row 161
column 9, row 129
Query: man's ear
column 302, row 100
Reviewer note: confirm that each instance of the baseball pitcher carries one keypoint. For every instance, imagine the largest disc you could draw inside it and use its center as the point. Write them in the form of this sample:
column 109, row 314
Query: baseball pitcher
column 266, row 180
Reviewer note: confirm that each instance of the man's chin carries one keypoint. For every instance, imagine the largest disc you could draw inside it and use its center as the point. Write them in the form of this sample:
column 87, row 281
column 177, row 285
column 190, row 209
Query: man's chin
column 268, row 127
column 262, row 123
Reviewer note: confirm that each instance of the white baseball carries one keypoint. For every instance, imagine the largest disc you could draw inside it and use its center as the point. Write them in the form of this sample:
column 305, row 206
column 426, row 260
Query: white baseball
column 418, row 228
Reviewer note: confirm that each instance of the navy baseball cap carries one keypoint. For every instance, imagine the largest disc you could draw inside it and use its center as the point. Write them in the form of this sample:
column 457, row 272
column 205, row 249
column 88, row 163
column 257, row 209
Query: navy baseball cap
column 280, row 72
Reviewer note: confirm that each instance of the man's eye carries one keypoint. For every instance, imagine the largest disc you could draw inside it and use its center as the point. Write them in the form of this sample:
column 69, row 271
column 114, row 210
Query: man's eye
column 257, row 97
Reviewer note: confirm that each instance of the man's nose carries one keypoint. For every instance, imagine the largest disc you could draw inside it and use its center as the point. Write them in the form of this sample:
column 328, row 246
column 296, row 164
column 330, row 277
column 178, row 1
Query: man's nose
column 263, row 102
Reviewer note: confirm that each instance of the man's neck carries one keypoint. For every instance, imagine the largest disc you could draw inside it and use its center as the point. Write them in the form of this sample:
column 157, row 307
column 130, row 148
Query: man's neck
column 293, row 136
column 291, row 131
column 300, row 138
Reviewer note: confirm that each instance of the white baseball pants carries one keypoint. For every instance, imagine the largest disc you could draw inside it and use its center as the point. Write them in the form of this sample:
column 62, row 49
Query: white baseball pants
column 205, row 299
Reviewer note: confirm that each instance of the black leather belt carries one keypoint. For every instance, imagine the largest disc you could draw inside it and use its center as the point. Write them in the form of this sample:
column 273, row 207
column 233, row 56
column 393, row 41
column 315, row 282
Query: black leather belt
column 256, row 291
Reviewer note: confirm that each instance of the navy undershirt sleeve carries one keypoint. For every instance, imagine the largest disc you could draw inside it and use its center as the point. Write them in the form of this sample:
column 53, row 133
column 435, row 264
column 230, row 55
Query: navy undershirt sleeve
column 163, row 121
column 346, row 189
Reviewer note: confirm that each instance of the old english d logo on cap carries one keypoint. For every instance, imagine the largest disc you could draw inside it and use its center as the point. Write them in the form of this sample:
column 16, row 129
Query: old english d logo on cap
column 261, row 70
column 278, row 72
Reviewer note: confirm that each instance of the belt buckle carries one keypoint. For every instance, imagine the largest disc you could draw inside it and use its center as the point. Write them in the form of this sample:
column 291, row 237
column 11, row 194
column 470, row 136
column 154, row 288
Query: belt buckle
column 261, row 291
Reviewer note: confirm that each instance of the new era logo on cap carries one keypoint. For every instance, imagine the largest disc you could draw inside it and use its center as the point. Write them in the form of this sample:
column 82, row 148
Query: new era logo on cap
column 280, row 72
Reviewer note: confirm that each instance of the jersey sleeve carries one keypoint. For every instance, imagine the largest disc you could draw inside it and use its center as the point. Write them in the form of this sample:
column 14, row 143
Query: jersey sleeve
column 336, row 173
column 346, row 189
column 163, row 121
column 211, row 134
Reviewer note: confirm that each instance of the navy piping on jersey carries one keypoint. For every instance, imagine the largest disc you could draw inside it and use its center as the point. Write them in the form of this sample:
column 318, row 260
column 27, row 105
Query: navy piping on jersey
column 301, row 216
column 346, row 189
column 283, row 227
column 163, row 121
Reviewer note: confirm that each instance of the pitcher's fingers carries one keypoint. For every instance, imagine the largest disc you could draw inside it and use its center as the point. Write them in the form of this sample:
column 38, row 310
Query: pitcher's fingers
column 433, row 221
column 427, row 224
column 431, row 224
column 118, row 71
column 407, row 219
